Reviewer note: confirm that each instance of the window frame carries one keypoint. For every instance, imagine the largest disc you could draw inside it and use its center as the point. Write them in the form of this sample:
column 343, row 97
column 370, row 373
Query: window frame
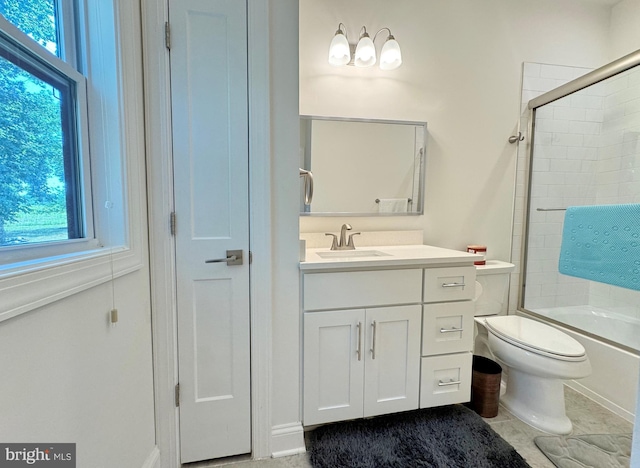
column 69, row 41
column 40, row 58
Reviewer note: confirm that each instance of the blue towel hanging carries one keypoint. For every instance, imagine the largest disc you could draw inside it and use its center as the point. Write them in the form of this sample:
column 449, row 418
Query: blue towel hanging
column 602, row 243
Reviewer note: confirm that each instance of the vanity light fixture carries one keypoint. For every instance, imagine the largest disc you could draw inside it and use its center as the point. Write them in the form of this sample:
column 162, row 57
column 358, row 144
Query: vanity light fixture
column 364, row 53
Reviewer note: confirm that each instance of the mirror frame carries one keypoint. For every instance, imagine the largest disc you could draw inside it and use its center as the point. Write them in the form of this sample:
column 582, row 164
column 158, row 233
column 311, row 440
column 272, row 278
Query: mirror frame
column 421, row 189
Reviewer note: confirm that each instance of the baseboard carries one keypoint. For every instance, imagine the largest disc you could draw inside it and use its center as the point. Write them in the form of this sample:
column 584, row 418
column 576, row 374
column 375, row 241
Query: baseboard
column 611, row 406
column 153, row 460
column 287, row 439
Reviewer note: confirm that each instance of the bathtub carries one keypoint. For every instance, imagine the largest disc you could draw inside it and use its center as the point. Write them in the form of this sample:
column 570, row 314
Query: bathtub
column 612, row 326
column 614, row 380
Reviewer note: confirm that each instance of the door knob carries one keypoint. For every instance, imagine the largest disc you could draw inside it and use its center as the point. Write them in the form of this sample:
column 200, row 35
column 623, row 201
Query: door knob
column 234, row 257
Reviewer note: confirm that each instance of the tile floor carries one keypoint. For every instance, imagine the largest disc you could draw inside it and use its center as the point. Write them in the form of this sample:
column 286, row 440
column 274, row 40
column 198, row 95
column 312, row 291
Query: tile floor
column 587, row 416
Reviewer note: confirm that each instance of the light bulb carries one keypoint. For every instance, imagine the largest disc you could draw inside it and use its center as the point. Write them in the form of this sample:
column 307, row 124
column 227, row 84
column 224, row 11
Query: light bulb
column 339, row 53
column 365, row 52
column 390, row 56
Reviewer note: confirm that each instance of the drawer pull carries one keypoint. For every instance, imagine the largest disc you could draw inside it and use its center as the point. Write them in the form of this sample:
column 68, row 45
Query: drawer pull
column 450, row 382
column 453, row 285
column 450, row 330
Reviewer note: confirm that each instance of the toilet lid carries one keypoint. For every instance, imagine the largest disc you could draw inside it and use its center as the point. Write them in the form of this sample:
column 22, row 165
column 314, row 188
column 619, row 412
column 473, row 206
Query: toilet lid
column 538, row 337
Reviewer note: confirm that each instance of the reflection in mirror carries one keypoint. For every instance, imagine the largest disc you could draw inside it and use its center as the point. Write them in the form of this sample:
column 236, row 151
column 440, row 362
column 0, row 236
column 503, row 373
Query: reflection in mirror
column 363, row 167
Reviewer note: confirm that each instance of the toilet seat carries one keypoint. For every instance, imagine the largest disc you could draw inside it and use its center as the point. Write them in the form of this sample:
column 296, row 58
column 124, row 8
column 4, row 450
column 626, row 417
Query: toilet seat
column 535, row 337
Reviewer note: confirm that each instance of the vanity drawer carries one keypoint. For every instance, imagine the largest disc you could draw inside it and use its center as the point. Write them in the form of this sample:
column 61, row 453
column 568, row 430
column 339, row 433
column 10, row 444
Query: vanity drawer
column 447, row 328
column 445, row 380
column 342, row 290
column 449, row 284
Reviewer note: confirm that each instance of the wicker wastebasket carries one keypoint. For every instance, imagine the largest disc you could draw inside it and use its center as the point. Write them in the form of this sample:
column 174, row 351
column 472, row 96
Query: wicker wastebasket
column 485, row 386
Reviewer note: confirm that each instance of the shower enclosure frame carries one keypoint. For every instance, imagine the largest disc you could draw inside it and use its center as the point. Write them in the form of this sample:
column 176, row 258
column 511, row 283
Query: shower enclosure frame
column 607, row 71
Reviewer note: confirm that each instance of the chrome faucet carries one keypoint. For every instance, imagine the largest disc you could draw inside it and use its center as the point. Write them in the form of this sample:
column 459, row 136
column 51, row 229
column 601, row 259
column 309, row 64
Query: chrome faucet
column 344, row 243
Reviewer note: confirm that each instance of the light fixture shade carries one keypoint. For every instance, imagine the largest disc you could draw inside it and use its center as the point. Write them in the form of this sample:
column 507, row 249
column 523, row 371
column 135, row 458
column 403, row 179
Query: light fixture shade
column 365, row 52
column 339, row 53
column 390, row 56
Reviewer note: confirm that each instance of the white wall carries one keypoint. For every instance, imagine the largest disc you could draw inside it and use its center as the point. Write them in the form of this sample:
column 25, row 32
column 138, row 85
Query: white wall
column 625, row 34
column 461, row 74
column 70, row 376
column 285, row 375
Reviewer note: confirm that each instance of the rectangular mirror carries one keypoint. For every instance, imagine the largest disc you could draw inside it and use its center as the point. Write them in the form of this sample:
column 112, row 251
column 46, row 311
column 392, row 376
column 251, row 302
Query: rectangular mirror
column 363, row 167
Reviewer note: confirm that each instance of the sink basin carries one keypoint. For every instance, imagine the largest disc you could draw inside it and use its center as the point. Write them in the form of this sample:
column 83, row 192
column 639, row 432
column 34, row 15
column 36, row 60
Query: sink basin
column 352, row 254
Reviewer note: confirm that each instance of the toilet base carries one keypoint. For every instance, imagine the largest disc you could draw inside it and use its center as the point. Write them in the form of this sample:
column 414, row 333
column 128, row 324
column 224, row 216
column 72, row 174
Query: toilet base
column 537, row 401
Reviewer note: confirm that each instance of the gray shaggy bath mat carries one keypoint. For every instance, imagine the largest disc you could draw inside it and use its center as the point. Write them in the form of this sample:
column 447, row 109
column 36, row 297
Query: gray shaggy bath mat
column 589, row 450
column 445, row 437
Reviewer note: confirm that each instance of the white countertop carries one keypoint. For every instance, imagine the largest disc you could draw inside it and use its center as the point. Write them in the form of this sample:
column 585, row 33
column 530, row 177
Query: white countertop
column 395, row 256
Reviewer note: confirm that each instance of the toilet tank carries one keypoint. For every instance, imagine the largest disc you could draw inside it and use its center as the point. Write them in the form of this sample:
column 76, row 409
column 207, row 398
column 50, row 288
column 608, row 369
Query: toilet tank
column 493, row 293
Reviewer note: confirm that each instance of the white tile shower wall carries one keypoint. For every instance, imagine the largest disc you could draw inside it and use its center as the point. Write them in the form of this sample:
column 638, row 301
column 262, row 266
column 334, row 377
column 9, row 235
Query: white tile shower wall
column 587, row 152
column 618, row 172
column 566, row 133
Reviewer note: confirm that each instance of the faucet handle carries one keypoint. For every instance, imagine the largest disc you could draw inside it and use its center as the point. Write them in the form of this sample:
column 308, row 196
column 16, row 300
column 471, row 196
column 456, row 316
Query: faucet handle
column 334, row 243
column 350, row 240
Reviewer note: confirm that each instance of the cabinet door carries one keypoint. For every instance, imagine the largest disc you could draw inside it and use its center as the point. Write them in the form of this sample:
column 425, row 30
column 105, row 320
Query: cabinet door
column 333, row 365
column 392, row 371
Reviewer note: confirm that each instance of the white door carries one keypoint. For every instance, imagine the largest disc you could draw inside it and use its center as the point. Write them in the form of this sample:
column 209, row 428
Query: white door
column 333, row 365
column 210, row 126
column 392, row 366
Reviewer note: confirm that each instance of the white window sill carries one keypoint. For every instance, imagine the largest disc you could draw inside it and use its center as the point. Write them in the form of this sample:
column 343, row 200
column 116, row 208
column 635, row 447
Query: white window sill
column 36, row 284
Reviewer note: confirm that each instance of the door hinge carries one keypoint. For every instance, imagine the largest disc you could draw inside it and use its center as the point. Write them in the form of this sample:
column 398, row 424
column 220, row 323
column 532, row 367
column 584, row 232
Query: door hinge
column 167, row 35
column 250, row 257
column 177, row 395
column 172, row 223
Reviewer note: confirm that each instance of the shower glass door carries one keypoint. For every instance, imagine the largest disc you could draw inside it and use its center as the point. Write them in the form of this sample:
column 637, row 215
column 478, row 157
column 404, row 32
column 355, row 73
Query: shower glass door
column 585, row 151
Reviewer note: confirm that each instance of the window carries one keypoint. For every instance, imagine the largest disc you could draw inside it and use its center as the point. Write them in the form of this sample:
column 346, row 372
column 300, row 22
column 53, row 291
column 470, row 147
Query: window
column 99, row 198
column 44, row 187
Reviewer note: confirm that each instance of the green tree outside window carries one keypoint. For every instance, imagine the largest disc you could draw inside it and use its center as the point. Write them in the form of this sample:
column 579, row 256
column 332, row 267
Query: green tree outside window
column 33, row 191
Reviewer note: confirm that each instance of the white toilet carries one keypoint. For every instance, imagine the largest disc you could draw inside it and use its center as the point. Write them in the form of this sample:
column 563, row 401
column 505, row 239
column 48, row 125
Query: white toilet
column 537, row 356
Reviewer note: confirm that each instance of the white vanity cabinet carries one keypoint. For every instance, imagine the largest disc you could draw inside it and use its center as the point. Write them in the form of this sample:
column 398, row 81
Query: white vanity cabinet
column 386, row 334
